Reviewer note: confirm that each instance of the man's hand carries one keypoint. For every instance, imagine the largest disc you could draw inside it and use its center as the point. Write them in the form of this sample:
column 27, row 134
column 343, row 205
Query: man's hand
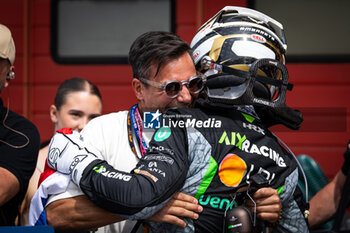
column 268, row 205
column 180, row 205
column 68, row 154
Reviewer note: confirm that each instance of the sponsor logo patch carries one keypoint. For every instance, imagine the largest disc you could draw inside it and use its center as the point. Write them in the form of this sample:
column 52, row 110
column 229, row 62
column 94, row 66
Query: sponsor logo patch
column 162, row 134
column 146, row 173
column 258, row 38
column 232, row 170
column 241, row 142
column 217, row 202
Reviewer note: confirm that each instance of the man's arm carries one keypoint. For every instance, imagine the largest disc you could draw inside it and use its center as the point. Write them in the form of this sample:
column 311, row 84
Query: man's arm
column 325, row 203
column 17, row 164
column 79, row 213
column 155, row 179
column 9, row 185
column 330, row 194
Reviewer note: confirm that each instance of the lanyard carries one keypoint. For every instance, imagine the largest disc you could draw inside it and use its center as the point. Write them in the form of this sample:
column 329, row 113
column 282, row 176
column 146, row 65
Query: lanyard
column 135, row 124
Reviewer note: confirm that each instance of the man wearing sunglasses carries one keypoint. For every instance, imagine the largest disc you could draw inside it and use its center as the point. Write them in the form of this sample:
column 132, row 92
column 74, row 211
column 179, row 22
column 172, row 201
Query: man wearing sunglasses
column 164, row 77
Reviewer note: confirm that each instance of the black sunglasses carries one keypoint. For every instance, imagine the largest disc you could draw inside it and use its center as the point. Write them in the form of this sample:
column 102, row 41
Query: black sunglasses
column 172, row 88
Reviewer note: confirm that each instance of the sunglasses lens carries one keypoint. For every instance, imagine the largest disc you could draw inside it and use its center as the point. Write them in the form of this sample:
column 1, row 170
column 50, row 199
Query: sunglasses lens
column 172, row 89
column 195, row 85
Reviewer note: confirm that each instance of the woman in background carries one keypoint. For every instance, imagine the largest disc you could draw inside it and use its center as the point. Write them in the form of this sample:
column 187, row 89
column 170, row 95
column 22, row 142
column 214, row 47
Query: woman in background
column 77, row 101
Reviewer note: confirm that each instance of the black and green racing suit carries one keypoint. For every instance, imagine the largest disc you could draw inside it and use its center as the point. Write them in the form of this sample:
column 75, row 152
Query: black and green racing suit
column 209, row 153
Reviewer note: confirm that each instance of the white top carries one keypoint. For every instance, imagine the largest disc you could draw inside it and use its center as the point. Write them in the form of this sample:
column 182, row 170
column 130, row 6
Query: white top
column 109, row 135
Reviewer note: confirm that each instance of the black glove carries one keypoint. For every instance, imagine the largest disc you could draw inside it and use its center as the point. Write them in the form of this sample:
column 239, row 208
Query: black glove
column 346, row 164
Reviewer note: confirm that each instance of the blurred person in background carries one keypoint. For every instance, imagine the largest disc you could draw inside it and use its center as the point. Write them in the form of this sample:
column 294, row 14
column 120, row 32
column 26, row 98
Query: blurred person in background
column 19, row 141
column 325, row 203
column 77, row 101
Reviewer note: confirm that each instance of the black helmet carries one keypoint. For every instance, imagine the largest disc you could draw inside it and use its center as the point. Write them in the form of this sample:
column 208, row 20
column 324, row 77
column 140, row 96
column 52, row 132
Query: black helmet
column 242, row 53
column 236, row 37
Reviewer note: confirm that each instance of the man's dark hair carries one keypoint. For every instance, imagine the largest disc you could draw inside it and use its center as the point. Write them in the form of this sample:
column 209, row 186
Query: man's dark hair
column 155, row 48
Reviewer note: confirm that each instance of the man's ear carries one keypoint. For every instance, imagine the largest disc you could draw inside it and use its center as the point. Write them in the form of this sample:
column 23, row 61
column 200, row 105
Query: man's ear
column 53, row 114
column 138, row 87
